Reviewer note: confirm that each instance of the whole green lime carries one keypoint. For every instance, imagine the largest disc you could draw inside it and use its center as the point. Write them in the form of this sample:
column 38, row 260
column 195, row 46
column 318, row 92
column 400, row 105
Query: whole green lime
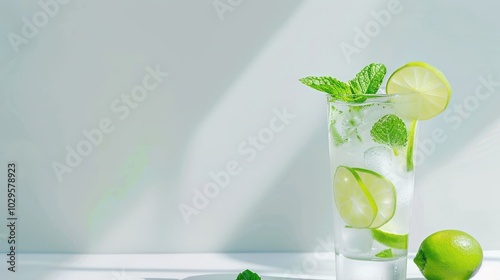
column 450, row 255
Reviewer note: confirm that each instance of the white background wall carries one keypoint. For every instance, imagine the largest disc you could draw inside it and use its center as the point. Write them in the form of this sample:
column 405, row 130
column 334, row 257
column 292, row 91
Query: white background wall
column 229, row 73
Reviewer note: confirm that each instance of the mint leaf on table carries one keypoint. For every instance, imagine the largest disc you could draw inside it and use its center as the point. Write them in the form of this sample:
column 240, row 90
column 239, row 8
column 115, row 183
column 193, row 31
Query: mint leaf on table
column 368, row 81
column 390, row 130
column 248, row 275
column 326, row 84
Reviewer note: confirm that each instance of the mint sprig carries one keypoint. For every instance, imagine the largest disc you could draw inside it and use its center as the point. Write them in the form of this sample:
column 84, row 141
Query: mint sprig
column 367, row 81
column 390, row 130
column 248, row 275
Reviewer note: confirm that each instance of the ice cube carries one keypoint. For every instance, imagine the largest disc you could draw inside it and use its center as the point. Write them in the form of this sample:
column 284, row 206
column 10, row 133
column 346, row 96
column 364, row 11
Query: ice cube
column 379, row 159
column 382, row 160
column 357, row 241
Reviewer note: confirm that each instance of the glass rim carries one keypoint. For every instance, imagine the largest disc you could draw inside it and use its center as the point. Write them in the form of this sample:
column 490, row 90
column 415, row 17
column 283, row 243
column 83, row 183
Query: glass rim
column 378, row 98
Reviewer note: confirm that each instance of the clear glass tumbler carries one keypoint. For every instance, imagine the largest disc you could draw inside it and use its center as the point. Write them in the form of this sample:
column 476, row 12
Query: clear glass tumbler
column 371, row 143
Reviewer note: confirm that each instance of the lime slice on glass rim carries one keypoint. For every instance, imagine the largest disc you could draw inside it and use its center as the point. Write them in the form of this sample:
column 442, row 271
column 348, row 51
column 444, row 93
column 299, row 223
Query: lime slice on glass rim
column 426, row 86
column 364, row 198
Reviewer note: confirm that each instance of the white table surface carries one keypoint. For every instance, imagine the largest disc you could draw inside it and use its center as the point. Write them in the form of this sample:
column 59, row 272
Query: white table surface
column 272, row 266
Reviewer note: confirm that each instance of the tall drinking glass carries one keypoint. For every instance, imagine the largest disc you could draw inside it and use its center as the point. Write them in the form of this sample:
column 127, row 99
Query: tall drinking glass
column 371, row 154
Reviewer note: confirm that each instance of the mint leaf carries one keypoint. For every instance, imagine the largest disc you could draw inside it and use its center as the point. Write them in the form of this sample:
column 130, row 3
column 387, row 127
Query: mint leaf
column 391, row 131
column 368, row 81
column 248, row 275
column 326, row 84
column 387, row 253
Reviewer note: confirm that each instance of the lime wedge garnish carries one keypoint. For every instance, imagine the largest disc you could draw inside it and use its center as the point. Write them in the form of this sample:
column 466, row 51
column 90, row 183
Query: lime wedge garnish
column 364, row 198
column 432, row 90
column 393, row 240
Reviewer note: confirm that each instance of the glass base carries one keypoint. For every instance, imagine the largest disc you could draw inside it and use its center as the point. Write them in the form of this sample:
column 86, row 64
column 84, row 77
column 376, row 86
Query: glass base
column 351, row 269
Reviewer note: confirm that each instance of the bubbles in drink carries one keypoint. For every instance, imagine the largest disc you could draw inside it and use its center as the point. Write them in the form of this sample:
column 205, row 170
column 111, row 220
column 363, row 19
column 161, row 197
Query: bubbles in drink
column 379, row 159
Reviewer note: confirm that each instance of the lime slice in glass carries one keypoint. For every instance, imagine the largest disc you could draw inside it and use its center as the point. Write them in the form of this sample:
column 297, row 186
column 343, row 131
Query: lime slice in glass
column 432, row 90
column 382, row 191
column 364, row 198
column 393, row 240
